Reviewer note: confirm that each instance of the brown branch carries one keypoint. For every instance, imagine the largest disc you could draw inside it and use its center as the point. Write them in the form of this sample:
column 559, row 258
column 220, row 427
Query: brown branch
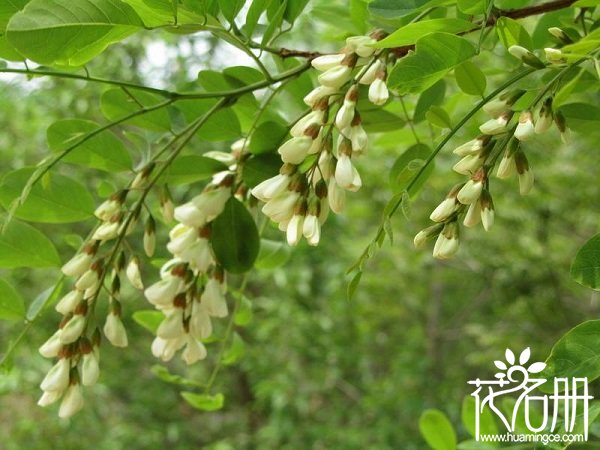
column 496, row 14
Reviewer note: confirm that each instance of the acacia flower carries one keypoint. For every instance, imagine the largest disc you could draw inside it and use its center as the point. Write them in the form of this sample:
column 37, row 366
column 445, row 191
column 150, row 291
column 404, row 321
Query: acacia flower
column 72, row 401
column 447, row 242
column 524, row 171
column 378, row 91
column 448, row 206
column 497, row 125
column 525, row 128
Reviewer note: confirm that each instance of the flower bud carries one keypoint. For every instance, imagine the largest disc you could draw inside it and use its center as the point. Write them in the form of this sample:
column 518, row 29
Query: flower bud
column 57, row 378
column 73, row 328
column 525, row 128
column 507, row 165
column 560, row 35
column 326, row 62
column 114, row 330
column 346, row 175
column 294, row 229
column 361, row 45
column 133, row 273
column 141, row 179
column 69, row 302
column 90, row 369
column 424, row 235
column 150, row 237
column 448, row 206
column 545, row 119
column 526, row 56
column 496, row 126
column 487, row 210
column 561, row 124
column 447, row 242
column 52, row 346
column 77, row 265
column 554, row 56
column 194, row 351
column 524, row 171
column 471, row 190
column 378, row 91
column 166, row 205
column 336, row 197
column 472, row 147
column 72, row 401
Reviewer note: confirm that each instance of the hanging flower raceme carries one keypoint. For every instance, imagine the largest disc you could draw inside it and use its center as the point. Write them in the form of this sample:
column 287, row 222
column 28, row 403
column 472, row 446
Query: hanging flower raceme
column 193, row 285
column 502, row 140
column 316, row 174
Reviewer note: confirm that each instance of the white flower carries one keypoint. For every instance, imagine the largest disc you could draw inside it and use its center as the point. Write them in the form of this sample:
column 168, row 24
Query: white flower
column 52, row 346
column 237, row 147
column 359, row 138
column 198, row 255
column 326, row 62
column 194, row 351
column 57, row 378
column 445, row 209
column 200, row 324
column 181, row 237
column 472, row 147
column 506, row 167
column 212, row 202
column 106, row 231
column 369, row 73
column 72, row 402
column 49, row 397
column 281, row 207
column 114, row 330
column 90, row 370
column 164, row 291
column 361, row 45
column 468, row 164
column 72, row 329
column 294, row 229
column 346, row 175
column 496, row 107
column 336, row 76
column 470, row 192
column 77, row 265
column 317, row 94
column 107, row 209
column 190, row 215
column 345, row 114
column 313, row 117
column 295, row 150
column 496, row 126
column 447, row 242
column 133, row 274
column 311, row 229
column 473, row 215
column 69, row 302
column 87, row 281
column 171, row 326
column 272, row 187
column 165, row 349
column 225, row 157
column 336, row 197
column 526, row 56
column 214, row 299
column 487, row 218
column 525, row 128
column 378, row 92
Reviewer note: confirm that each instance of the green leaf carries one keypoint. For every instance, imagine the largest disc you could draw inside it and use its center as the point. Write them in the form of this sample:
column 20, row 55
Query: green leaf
column 238, row 76
column 204, row 402
column 353, row 285
column 438, row 117
column 437, row 430
column 235, row 351
column 409, row 34
column 70, row 32
column 163, row 374
column 274, row 23
column 21, row 245
column 585, row 268
column 12, row 305
column 377, row 120
column 432, row 96
column 394, row 8
column 576, row 354
column 149, row 319
column 116, row 104
column 267, row 137
column 434, row 56
column 7, row 10
column 243, row 314
column 254, row 12
column 44, row 298
column 260, row 167
column 223, row 125
column 487, row 424
column 581, row 117
column 235, row 238
column 294, row 9
column 512, row 32
column 57, row 199
column 230, row 8
column 403, row 171
column 104, row 151
column 470, row 78
column 272, row 254
column 471, row 6
column 191, row 168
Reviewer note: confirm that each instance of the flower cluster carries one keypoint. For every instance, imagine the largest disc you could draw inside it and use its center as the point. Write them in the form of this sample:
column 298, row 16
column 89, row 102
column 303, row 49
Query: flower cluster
column 315, row 176
column 471, row 200
column 192, row 287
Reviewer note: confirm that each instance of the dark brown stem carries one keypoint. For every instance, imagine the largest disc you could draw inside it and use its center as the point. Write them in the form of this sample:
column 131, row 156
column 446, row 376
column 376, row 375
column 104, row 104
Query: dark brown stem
column 402, row 51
